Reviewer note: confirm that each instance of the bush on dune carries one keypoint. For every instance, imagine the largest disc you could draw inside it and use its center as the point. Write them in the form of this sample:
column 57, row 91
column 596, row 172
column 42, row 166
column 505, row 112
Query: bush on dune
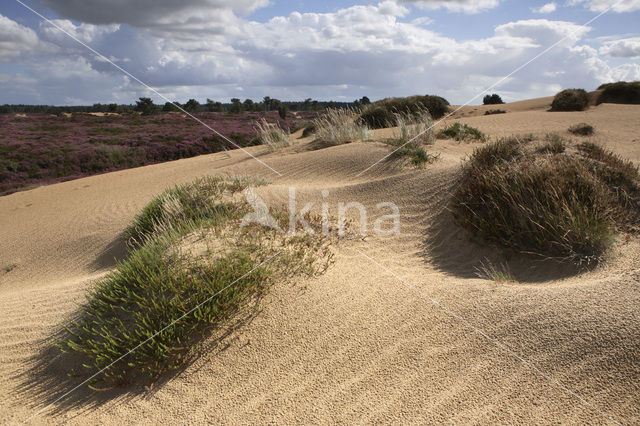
column 382, row 113
column 461, row 132
column 556, row 204
column 582, row 129
column 621, row 92
column 168, row 295
column 571, row 100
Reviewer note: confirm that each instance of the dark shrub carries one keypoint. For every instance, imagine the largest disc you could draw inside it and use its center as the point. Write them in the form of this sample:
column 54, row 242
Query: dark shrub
column 309, row 130
column 495, row 111
column 145, row 106
column 582, row 129
column 381, row 114
column 570, row 100
column 282, row 111
column 492, row 100
column 620, row 93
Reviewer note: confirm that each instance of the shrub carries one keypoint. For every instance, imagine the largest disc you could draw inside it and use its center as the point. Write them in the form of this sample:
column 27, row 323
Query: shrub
column 381, row 113
column 272, row 135
column 562, row 205
column 282, row 112
column 492, row 100
column 169, row 295
column 570, row 100
column 582, row 129
column 145, row 106
column 339, row 126
column 495, row 111
column 461, row 132
column 621, row 92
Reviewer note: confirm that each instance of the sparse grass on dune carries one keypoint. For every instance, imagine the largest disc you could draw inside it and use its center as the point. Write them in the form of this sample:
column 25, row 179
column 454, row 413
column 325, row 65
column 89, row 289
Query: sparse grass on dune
column 413, row 132
column 163, row 280
column 339, row 126
column 582, row 129
column 555, row 144
column 461, row 132
column 272, row 135
column 551, row 203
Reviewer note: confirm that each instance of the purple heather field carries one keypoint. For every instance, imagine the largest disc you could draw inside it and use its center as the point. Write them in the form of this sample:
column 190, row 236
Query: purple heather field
column 37, row 149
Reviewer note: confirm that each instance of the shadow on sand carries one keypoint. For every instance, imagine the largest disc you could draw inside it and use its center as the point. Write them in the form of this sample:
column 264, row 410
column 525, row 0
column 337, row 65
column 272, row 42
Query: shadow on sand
column 450, row 249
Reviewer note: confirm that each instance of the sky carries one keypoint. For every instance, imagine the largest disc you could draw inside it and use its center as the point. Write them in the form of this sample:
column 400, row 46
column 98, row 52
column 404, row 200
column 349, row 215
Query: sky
column 326, row 50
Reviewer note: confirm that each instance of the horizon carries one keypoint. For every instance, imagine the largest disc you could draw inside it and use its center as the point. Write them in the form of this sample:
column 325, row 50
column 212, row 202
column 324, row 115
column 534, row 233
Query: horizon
column 292, row 50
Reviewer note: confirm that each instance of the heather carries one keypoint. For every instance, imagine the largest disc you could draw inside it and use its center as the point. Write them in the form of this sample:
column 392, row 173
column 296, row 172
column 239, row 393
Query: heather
column 37, row 149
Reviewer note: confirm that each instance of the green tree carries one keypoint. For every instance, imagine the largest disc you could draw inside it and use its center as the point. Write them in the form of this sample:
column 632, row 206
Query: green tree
column 145, row 106
column 236, row 106
column 192, row 105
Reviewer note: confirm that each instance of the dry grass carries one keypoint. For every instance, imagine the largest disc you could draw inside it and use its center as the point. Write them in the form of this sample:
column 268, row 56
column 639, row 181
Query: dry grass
column 272, row 135
column 338, row 126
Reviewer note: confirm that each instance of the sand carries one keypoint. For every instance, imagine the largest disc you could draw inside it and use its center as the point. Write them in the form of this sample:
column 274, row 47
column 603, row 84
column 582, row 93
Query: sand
column 399, row 329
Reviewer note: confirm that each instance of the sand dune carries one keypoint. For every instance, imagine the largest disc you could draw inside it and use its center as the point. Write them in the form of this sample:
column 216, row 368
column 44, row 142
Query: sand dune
column 358, row 344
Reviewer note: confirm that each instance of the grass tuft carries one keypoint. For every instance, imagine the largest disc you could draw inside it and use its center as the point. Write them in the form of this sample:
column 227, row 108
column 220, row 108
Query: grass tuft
column 498, row 273
column 338, row 126
column 582, row 129
column 461, row 132
column 413, row 132
column 564, row 205
column 555, row 144
column 272, row 135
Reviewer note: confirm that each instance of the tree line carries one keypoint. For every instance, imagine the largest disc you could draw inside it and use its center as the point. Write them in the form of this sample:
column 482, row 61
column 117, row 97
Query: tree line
column 147, row 106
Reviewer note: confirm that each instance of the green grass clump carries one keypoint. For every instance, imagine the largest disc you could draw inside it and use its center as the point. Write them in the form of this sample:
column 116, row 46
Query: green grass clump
column 557, row 205
column 413, row 131
column 461, row 132
column 182, row 285
column 570, row 100
column 582, row 129
column 621, row 92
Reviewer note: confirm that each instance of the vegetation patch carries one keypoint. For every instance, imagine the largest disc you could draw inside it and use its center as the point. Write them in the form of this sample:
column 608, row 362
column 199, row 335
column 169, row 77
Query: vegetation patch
column 461, row 132
column 382, row 114
column 339, row 126
column 582, row 129
column 193, row 268
column 554, row 144
column 272, row 135
column 566, row 205
column 494, row 99
column 570, row 100
column 621, row 92
column 495, row 111
column 414, row 131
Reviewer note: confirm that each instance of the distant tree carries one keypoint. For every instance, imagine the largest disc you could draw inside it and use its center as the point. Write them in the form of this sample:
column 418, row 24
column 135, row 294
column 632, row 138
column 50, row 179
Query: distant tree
column 236, row 106
column 145, row 106
column 307, row 104
column 171, row 106
column 113, row 107
column 282, row 111
column 248, row 105
column 210, row 105
column 364, row 101
column 267, row 103
column 492, row 100
column 192, row 105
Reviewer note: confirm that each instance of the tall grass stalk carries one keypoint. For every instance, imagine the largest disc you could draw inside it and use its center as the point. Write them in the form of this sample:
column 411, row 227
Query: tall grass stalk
column 272, row 135
column 338, row 126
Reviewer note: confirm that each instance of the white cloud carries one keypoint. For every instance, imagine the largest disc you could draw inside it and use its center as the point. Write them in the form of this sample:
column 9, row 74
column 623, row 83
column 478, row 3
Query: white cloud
column 15, row 39
column 547, row 8
column 622, row 48
column 619, row 6
column 355, row 51
column 466, row 6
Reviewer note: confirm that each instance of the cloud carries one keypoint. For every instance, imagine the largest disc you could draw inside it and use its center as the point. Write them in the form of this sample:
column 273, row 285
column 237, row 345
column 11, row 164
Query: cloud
column 466, row 6
column 15, row 39
column 547, row 8
column 146, row 13
column 355, row 51
column 622, row 48
column 619, row 6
